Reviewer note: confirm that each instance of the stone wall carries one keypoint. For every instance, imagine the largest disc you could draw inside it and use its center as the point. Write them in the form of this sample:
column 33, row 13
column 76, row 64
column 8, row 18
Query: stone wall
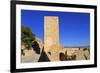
column 51, row 31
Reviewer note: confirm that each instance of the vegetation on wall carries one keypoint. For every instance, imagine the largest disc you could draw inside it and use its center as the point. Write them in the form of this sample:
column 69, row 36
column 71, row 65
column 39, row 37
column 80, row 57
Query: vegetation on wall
column 27, row 37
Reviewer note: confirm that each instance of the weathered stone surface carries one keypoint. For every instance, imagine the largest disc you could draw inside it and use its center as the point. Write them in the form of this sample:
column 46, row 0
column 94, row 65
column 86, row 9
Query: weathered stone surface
column 82, row 55
column 30, row 56
column 33, row 54
column 51, row 32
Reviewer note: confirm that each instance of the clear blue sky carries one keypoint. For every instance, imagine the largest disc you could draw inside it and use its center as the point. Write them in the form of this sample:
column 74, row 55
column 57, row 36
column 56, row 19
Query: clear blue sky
column 74, row 28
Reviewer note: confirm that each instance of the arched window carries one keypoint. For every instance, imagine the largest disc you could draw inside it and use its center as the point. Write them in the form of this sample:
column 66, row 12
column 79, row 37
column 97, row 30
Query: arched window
column 61, row 56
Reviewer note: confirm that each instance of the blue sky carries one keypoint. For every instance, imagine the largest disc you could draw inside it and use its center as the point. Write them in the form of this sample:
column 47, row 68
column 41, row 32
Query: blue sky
column 74, row 28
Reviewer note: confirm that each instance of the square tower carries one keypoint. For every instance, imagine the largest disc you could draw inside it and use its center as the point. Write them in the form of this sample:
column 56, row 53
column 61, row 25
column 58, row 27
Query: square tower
column 51, row 32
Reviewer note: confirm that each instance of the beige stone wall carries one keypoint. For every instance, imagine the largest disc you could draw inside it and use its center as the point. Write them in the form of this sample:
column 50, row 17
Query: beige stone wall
column 51, row 31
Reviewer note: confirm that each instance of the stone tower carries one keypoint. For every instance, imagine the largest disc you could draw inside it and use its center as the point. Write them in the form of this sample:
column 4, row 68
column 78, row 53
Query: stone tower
column 51, row 32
